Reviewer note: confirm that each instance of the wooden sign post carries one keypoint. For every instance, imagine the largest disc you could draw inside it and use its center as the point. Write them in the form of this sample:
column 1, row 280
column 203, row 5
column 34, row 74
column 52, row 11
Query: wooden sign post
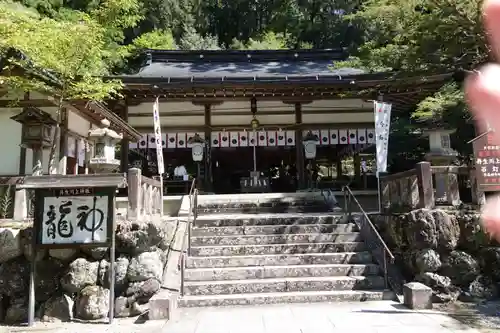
column 73, row 212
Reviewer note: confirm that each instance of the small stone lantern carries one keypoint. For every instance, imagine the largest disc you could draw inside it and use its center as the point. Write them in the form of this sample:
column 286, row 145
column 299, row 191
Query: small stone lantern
column 310, row 141
column 104, row 140
column 38, row 128
column 441, row 154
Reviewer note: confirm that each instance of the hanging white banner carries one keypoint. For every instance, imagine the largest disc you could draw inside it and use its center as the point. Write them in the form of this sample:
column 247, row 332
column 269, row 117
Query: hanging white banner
column 382, row 128
column 157, row 129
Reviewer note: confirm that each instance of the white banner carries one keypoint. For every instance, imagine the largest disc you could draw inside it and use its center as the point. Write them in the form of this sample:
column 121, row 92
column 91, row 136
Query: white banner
column 382, row 128
column 157, row 129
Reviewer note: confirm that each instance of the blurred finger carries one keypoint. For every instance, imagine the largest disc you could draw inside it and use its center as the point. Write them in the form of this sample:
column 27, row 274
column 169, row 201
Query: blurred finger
column 491, row 218
column 491, row 18
column 482, row 92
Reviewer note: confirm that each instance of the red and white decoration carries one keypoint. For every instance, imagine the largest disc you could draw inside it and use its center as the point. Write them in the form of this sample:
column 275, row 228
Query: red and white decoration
column 243, row 138
column 290, row 138
column 271, row 138
column 281, row 138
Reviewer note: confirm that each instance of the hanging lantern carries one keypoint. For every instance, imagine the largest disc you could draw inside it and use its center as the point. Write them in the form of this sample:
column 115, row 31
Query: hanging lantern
column 197, row 147
column 255, row 123
column 310, row 141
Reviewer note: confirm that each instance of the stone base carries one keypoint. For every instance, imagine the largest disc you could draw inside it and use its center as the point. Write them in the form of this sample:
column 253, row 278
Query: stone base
column 417, row 296
column 163, row 305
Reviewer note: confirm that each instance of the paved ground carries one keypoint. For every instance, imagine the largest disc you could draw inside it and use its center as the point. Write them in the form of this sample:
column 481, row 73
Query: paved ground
column 366, row 317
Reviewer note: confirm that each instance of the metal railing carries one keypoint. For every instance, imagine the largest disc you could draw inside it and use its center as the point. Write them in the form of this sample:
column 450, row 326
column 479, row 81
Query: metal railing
column 374, row 242
column 191, row 221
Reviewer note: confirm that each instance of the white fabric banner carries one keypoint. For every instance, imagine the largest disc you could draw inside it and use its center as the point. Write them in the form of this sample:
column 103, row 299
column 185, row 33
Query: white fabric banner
column 382, row 128
column 157, row 129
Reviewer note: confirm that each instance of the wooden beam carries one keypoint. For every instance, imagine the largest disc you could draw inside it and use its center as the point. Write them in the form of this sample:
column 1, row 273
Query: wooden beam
column 241, row 127
column 259, row 113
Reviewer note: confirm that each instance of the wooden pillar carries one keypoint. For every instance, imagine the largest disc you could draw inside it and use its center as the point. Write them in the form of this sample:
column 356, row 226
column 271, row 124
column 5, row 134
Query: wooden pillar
column 208, row 177
column 357, row 169
column 299, row 149
column 63, row 143
column 125, row 141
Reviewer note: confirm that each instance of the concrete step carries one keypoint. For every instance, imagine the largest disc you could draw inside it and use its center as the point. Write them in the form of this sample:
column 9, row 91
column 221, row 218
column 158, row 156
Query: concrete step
column 286, row 297
column 260, row 209
column 224, row 220
column 274, row 229
column 267, row 272
column 283, row 285
column 276, row 239
column 280, row 259
column 229, row 250
column 258, row 203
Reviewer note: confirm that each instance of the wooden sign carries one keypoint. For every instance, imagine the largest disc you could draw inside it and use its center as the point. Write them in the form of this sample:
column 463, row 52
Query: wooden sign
column 69, row 217
column 487, row 161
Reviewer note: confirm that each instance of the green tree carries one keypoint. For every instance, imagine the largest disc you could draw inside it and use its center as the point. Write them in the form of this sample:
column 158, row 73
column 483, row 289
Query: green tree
column 418, row 36
column 156, row 39
column 75, row 52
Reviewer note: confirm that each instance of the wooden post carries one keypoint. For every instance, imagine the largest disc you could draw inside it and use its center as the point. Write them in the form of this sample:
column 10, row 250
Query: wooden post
column 208, row 177
column 299, row 148
column 134, row 194
column 477, row 196
column 425, row 186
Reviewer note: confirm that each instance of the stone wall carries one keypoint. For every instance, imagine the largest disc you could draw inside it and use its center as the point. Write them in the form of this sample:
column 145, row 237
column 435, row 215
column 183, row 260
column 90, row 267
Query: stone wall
column 447, row 250
column 74, row 283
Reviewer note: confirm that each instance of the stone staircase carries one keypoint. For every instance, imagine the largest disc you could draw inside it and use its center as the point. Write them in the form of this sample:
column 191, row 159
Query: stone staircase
column 266, row 251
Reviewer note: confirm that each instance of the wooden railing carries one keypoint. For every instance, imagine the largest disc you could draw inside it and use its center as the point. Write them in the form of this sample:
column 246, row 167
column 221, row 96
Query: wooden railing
column 426, row 186
column 144, row 195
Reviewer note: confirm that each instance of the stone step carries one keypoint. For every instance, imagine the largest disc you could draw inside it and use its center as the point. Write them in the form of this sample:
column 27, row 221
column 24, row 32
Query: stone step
column 259, row 209
column 364, row 257
column 229, row 250
column 286, row 297
column 276, row 239
column 283, row 285
column 264, row 203
column 267, row 272
column 274, row 229
column 224, row 220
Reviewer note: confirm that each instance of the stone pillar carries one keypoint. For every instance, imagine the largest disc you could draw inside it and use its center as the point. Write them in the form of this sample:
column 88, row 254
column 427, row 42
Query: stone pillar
column 299, row 149
column 124, row 149
column 441, row 154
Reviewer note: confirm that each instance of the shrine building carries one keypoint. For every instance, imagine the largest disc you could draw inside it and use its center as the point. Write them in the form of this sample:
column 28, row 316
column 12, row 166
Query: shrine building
column 253, row 110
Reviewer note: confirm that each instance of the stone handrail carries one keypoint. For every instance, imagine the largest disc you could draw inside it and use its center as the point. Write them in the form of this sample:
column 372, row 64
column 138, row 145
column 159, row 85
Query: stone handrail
column 144, row 195
column 426, row 185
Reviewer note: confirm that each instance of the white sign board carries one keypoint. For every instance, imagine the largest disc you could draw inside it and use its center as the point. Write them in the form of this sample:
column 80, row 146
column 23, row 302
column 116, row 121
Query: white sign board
column 75, row 219
column 382, row 129
column 157, row 129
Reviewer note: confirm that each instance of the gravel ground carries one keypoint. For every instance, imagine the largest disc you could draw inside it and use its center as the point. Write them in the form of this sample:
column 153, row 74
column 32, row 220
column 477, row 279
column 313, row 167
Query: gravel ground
column 483, row 316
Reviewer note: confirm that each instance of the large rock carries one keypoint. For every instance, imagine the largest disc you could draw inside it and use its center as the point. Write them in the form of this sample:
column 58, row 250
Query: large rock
column 17, row 312
column 472, row 235
column 96, row 253
column 141, row 292
column 58, row 308
column 443, row 291
column 27, row 245
column 427, row 261
column 63, row 254
column 121, row 268
column 14, row 276
column 145, row 266
column 48, row 275
column 394, row 231
column 122, row 308
column 483, row 288
column 81, row 273
column 143, row 236
column 434, row 229
column 10, row 244
column 461, row 267
column 92, row 303
column 490, row 262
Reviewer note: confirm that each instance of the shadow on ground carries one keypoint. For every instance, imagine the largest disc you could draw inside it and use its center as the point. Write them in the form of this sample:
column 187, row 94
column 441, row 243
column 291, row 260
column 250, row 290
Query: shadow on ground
column 482, row 315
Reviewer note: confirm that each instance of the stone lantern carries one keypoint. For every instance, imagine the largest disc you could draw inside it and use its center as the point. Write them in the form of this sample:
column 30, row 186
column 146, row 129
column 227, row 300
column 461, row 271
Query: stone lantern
column 441, row 154
column 310, row 141
column 37, row 133
column 104, row 140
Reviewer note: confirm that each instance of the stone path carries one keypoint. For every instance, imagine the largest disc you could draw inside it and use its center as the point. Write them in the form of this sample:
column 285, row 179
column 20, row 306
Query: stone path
column 366, row 317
